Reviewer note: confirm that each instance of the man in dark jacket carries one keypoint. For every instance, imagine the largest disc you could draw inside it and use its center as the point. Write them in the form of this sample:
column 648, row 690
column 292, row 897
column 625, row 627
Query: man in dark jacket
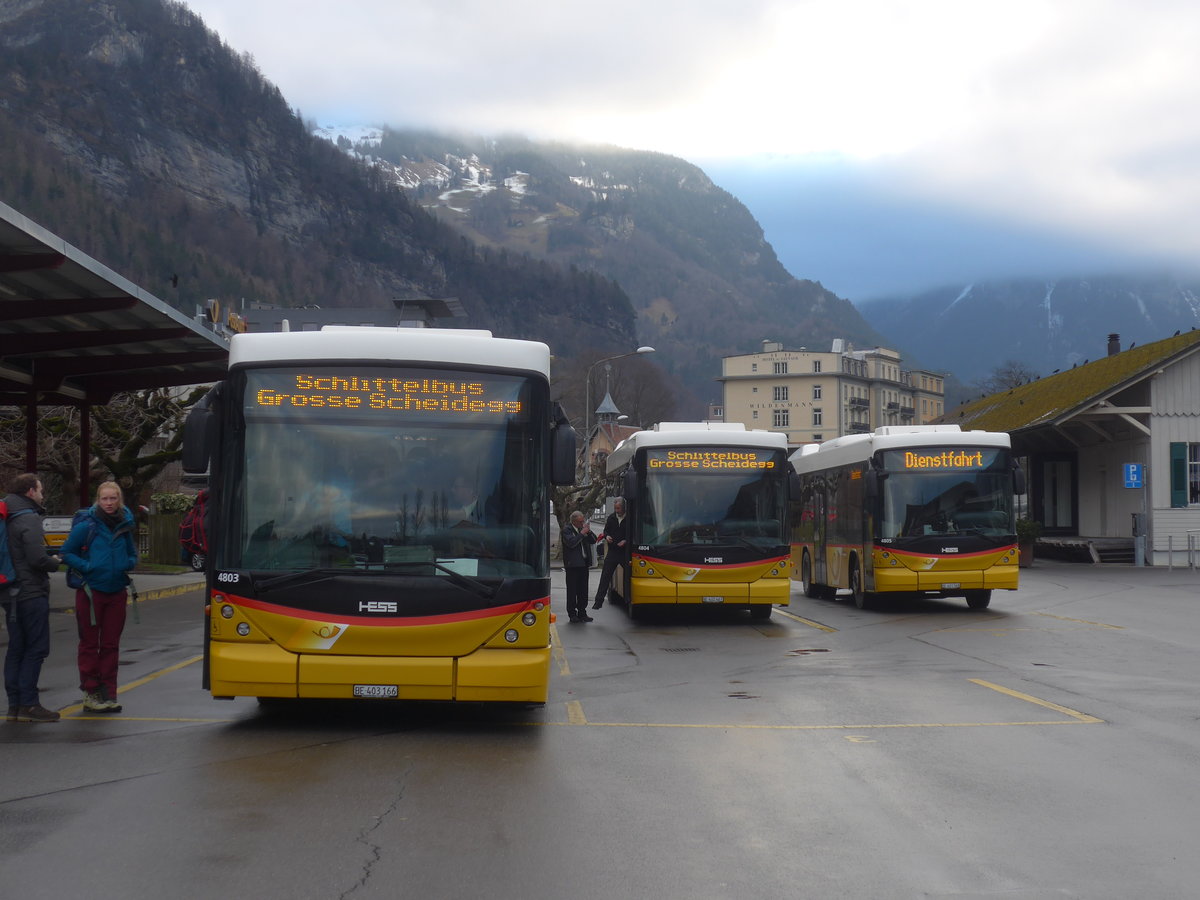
column 577, row 541
column 618, row 546
column 27, row 610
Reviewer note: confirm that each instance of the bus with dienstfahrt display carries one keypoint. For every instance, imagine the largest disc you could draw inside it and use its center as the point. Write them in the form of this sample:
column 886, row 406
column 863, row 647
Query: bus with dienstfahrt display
column 922, row 510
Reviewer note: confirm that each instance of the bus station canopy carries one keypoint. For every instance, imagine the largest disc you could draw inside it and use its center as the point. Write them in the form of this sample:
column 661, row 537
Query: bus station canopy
column 73, row 332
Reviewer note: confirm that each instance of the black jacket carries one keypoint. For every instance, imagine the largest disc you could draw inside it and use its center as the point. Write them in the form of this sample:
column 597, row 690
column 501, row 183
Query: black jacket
column 614, row 528
column 27, row 544
column 577, row 547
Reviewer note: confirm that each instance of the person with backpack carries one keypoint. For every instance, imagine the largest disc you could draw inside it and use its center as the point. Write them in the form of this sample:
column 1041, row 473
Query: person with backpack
column 102, row 550
column 27, row 606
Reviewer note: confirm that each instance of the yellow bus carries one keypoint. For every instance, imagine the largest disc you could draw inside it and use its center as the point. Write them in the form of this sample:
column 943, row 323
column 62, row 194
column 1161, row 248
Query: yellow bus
column 706, row 507
column 921, row 510
column 378, row 515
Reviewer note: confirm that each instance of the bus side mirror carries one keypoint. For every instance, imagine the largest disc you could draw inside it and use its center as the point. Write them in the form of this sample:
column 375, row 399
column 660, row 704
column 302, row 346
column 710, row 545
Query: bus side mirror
column 793, row 486
column 629, row 484
column 872, row 484
column 562, row 450
column 199, row 432
column 1018, row 479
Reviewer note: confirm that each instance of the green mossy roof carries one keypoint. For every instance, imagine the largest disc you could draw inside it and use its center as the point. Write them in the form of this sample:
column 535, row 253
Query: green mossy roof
column 1055, row 397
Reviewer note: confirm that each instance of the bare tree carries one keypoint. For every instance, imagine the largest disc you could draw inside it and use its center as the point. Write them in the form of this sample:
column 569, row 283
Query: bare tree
column 1009, row 374
column 134, row 437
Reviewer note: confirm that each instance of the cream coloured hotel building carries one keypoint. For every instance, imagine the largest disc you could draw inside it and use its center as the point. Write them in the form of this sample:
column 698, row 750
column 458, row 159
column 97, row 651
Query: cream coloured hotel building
column 813, row 395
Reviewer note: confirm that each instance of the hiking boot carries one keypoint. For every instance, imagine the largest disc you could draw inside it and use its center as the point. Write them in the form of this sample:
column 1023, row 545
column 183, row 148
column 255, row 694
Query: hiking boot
column 93, row 701
column 36, row 713
column 12, row 713
column 108, row 702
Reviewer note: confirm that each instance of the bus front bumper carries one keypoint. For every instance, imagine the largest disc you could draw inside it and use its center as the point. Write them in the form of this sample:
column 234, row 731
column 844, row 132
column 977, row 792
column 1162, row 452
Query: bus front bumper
column 267, row 670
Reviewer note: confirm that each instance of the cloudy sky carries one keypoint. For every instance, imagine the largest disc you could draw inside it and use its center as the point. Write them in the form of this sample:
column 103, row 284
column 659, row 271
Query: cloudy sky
column 884, row 146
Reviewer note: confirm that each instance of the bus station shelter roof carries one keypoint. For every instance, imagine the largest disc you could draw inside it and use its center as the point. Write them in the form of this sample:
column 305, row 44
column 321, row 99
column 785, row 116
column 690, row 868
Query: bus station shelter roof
column 73, row 332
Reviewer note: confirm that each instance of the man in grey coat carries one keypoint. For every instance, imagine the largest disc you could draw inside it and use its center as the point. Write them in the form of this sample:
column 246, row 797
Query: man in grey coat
column 27, row 608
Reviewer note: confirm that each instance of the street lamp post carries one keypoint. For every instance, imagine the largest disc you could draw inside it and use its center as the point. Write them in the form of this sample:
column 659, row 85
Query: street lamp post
column 587, row 408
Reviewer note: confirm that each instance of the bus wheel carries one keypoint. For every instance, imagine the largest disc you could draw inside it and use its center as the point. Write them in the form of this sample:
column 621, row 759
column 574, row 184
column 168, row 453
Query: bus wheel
column 760, row 611
column 979, row 599
column 635, row 612
column 806, row 582
column 862, row 597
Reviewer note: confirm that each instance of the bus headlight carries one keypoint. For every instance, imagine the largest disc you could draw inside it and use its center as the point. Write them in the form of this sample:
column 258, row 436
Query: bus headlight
column 227, row 611
column 243, row 628
column 529, row 618
column 511, row 635
column 539, row 606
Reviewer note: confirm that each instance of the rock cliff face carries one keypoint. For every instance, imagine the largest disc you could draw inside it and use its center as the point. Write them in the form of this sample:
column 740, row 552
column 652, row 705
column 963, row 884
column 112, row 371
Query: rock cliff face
column 140, row 137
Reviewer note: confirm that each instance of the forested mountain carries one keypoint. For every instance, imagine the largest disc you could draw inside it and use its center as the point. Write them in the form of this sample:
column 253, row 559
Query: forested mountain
column 704, row 281
column 1046, row 325
column 136, row 134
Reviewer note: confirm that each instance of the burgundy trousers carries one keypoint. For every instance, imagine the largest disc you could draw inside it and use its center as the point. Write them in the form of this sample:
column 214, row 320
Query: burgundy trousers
column 99, row 644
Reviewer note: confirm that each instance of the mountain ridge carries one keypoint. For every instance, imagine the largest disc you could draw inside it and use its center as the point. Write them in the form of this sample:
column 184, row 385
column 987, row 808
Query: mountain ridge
column 1045, row 324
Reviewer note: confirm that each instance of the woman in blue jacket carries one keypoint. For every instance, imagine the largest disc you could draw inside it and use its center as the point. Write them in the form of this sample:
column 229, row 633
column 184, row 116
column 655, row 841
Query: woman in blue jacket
column 102, row 548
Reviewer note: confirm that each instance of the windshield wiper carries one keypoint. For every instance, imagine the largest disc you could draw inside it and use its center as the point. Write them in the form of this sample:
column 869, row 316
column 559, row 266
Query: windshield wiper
column 323, row 574
column 474, row 585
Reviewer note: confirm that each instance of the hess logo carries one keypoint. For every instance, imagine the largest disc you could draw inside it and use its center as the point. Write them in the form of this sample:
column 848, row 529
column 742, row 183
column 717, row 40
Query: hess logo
column 377, row 606
column 714, row 559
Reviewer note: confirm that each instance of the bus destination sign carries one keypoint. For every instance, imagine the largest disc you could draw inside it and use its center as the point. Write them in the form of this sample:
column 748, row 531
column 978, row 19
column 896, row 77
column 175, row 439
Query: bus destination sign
column 384, row 391
column 945, row 459
column 710, row 460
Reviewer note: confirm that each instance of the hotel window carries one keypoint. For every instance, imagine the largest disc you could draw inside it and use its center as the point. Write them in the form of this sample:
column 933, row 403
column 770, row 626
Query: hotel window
column 816, row 392
column 780, row 368
column 816, row 365
column 816, row 417
column 781, row 393
column 779, row 418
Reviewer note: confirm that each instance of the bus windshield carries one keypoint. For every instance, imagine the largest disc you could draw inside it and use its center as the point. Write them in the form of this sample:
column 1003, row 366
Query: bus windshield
column 712, row 495
column 388, row 469
column 946, row 491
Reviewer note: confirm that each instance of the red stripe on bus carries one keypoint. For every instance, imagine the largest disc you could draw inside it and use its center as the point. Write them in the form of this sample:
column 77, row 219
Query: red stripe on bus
column 774, row 560
column 407, row 621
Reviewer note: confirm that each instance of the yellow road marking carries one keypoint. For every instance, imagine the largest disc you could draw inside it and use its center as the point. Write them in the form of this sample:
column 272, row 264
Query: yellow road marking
column 1075, row 714
column 156, row 593
column 803, row 621
column 1080, row 621
column 76, row 707
column 120, row 718
column 559, row 652
column 857, row 727
column 575, row 716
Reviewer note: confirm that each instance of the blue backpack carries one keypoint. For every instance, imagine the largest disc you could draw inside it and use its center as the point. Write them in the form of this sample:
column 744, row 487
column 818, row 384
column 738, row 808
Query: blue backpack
column 8, row 572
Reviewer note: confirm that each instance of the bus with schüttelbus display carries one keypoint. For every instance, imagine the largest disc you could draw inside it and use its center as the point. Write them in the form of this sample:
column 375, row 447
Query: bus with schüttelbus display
column 920, row 510
column 379, row 515
column 706, row 514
